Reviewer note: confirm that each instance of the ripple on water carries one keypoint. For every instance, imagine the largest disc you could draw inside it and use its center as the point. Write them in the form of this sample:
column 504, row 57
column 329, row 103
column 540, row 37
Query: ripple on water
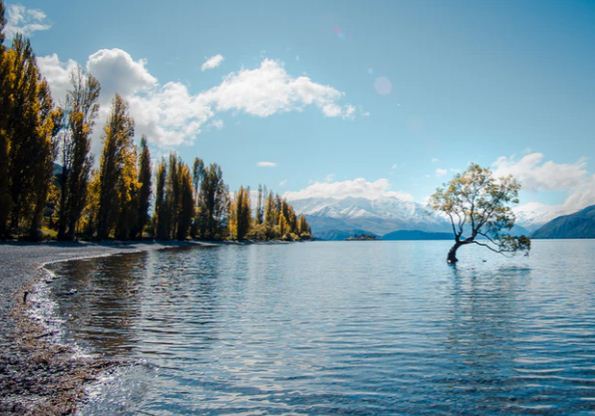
column 337, row 328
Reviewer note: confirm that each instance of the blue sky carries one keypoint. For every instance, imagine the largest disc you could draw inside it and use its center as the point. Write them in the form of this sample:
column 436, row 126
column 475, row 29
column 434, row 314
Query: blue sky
column 402, row 92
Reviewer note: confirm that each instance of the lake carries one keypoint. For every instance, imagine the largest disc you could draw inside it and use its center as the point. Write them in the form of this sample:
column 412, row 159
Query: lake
column 358, row 328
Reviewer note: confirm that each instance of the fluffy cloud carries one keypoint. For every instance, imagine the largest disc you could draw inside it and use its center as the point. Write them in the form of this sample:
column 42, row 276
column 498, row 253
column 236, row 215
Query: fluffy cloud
column 269, row 89
column 57, row 73
column 20, row 19
column 265, row 164
column 212, row 62
column 168, row 114
column 441, row 172
column 358, row 187
column 535, row 174
column 119, row 73
column 580, row 196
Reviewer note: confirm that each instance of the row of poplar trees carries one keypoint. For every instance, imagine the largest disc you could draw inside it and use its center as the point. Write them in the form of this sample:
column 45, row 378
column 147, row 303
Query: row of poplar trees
column 113, row 199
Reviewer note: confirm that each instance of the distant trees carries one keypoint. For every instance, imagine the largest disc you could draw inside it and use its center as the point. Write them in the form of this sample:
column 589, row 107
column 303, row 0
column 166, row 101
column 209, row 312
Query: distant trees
column 213, row 203
column 177, row 210
column 478, row 206
column 49, row 182
column 275, row 219
column 240, row 214
column 160, row 217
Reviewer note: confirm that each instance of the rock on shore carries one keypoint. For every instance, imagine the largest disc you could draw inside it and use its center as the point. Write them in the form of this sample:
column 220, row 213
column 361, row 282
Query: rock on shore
column 38, row 376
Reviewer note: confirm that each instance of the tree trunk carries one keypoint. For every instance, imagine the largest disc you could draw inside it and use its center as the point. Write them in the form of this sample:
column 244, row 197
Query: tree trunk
column 452, row 253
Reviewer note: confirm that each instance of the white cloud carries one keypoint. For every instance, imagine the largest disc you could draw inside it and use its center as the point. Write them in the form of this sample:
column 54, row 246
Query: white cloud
column 435, row 160
column 119, row 73
column 57, row 74
column 20, row 19
column 265, row 164
column 269, row 89
column 169, row 115
column 441, row 172
column 359, row 188
column 212, row 62
column 535, row 174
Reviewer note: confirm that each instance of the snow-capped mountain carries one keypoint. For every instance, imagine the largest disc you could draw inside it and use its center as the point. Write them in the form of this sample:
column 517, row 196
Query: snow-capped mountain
column 533, row 215
column 334, row 218
column 339, row 218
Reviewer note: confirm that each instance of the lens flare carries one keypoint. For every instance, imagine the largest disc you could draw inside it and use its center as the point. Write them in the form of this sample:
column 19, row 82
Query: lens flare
column 383, row 86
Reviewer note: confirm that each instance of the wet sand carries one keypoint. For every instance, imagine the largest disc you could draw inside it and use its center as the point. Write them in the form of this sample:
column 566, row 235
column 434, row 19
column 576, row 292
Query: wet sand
column 37, row 375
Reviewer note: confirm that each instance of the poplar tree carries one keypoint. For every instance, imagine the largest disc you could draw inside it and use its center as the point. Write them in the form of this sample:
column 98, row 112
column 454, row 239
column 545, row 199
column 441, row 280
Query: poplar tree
column 81, row 110
column 240, row 214
column 303, row 228
column 144, row 194
column 42, row 155
column 259, row 217
column 186, row 202
column 160, row 217
column 114, row 168
column 127, row 191
column 28, row 125
column 198, row 173
column 213, row 203
column 21, row 110
column 5, row 200
column 174, row 202
column 172, row 196
column 270, row 215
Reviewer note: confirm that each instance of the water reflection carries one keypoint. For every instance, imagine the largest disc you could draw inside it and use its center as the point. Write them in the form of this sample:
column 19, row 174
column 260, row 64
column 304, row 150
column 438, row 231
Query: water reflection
column 331, row 328
column 481, row 326
column 101, row 300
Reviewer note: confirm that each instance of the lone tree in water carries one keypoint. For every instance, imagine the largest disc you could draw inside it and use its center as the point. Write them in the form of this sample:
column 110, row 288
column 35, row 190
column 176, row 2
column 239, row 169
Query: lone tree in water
column 478, row 206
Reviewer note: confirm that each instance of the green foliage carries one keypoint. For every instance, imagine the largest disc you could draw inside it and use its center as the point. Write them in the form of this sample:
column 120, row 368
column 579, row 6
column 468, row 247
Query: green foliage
column 117, row 173
column 144, row 193
column 213, row 202
column 113, row 200
column 259, row 215
column 478, row 206
column 161, row 215
column 186, row 209
column 5, row 199
column 29, row 122
column 240, row 214
column 174, row 201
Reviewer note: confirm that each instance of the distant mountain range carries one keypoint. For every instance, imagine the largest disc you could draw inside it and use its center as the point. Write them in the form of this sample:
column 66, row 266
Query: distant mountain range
column 333, row 219
column 392, row 218
column 581, row 224
column 416, row 235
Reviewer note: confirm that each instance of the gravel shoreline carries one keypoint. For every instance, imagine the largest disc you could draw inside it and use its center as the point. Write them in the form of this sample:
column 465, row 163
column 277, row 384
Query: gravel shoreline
column 38, row 376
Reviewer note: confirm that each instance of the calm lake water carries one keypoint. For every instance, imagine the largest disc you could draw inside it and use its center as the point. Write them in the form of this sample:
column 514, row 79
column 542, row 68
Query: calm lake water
column 358, row 328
